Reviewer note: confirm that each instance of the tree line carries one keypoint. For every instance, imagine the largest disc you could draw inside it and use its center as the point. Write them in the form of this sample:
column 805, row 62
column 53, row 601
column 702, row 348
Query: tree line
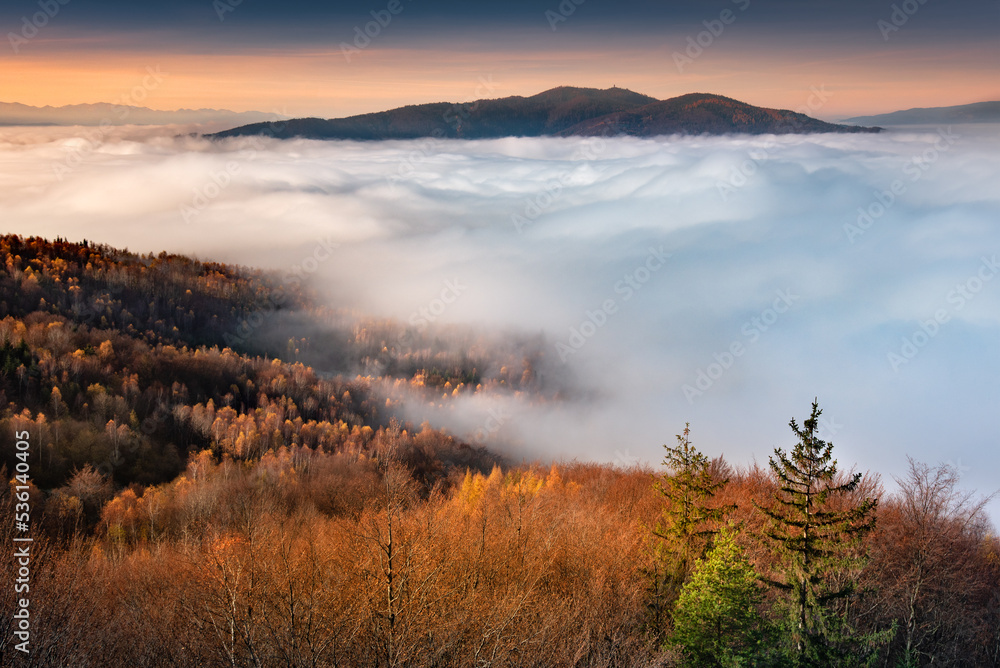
column 399, row 555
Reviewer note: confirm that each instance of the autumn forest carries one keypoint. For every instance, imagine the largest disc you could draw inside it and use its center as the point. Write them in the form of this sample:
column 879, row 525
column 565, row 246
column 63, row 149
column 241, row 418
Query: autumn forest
column 218, row 475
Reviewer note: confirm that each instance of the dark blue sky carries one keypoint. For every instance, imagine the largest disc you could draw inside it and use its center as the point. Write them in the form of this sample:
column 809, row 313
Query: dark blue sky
column 951, row 18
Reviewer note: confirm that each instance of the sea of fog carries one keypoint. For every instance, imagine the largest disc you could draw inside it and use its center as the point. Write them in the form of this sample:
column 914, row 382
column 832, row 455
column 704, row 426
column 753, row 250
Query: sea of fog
column 721, row 281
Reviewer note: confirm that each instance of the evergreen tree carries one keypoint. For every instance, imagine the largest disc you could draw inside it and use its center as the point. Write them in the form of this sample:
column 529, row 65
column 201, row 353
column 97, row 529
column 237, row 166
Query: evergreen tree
column 815, row 540
column 688, row 522
column 716, row 620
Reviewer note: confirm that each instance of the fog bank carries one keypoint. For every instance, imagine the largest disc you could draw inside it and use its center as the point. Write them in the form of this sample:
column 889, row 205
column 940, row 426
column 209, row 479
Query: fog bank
column 721, row 281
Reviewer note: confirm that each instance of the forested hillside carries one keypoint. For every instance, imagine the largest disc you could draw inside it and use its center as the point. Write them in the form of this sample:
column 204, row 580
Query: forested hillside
column 564, row 111
column 218, row 480
column 130, row 363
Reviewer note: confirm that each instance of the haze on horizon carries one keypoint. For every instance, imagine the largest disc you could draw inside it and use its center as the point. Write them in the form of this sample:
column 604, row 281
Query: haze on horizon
column 291, row 59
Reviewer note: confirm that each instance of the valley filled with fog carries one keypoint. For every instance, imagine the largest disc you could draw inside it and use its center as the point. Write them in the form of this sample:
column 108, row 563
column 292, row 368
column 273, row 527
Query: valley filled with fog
column 721, row 281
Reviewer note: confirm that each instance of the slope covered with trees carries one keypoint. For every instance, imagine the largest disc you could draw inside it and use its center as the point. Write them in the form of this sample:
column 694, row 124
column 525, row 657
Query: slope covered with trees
column 123, row 362
column 700, row 113
column 564, row 111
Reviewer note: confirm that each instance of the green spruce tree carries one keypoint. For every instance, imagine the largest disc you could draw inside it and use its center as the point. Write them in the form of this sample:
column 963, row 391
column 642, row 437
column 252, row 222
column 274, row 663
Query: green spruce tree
column 815, row 528
column 716, row 620
column 689, row 520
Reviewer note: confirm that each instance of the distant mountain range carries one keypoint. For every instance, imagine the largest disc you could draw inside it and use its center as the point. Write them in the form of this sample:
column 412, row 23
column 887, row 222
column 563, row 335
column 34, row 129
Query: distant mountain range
column 979, row 112
column 13, row 113
column 563, row 111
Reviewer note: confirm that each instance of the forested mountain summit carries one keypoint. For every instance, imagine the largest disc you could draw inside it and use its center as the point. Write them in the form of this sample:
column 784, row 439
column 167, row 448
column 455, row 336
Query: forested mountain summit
column 564, row 111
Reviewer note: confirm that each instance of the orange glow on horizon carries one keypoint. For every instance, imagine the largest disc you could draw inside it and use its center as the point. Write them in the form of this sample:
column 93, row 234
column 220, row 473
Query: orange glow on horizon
column 323, row 83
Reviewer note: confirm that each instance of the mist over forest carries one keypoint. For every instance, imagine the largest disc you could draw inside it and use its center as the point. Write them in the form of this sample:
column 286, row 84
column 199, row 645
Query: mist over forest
column 528, row 240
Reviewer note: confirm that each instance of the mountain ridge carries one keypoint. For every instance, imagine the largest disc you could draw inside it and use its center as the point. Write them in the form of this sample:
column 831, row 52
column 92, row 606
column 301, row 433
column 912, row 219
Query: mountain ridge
column 107, row 113
column 977, row 112
column 562, row 111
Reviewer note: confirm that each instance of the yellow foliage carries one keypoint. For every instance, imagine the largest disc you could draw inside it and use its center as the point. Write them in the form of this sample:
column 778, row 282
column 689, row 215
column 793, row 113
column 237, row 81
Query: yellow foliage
column 554, row 480
column 495, row 479
column 523, row 484
column 468, row 491
column 474, row 485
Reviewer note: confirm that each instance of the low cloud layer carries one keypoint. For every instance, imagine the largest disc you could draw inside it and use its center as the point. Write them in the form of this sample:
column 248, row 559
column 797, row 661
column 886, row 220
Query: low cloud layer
column 723, row 282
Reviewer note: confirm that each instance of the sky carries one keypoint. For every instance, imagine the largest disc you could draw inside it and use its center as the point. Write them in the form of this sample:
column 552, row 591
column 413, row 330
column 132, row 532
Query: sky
column 314, row 58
